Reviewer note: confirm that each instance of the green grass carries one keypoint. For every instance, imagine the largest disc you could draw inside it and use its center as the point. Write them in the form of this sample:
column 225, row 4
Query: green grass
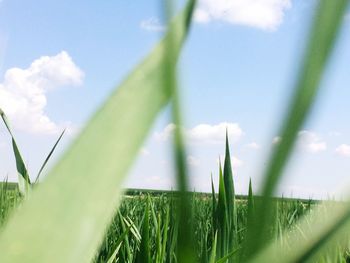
column 73, row 214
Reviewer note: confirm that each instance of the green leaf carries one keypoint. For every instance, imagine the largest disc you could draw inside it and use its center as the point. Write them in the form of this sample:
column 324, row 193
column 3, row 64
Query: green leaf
column 118, row 245
column 23, row 175
column 228, row 256
column 185, row 248
column 213, row 249
column 48, row 157
column 229, row 187
column 79, row 196
column 222, row 218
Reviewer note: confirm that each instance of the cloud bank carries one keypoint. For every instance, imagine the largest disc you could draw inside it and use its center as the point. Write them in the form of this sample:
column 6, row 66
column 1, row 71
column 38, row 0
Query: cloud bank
column 206, row 133
column 262, row 14
column 23, row 91
column 152, row 24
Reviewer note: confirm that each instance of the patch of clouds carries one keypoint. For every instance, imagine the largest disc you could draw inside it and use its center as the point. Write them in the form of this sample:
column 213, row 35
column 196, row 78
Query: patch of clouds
column 205, row 133
column 235, row 161
column 152, row 24
column 334, row 133
column 166, row 133
column 311, row 142
column 23, row 91
column 193, row 161
column 262, row 14
column 307, row 141
column 253, row 146
column 343, row 150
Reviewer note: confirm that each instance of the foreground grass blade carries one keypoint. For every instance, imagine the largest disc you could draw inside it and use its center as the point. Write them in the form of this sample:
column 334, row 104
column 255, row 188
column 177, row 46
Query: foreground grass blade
column 23, row 175
column 323, row 35
column 185, row 248
column 48, row 157
column 78, row 198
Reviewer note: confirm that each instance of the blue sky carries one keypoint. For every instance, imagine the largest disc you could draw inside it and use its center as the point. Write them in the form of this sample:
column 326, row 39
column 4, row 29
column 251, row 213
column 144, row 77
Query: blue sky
column 60, row 59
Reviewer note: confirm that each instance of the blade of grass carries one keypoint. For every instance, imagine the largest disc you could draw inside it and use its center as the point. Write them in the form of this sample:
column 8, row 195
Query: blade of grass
column 213, row 249
column 323, row 35
column 126, row 240
column 23, row 175
column 228, row 256
column 185, row 247
column 144, row 254
column 79, row 196
column 118, row 244
column 48, row 157
column 222, row 223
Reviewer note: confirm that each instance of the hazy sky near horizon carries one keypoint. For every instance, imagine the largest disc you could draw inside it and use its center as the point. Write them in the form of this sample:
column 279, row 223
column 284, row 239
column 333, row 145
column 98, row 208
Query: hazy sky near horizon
column 59, row 60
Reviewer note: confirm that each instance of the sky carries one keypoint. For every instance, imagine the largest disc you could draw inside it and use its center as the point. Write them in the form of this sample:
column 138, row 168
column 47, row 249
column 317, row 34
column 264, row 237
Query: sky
column 59, row 60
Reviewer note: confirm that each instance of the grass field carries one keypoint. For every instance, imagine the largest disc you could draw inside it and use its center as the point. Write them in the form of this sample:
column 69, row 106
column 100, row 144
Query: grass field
column 132, row 221
column 79, row 213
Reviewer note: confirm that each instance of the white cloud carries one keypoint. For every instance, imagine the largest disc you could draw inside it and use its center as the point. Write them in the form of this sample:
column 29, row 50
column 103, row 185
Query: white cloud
column 343, row 150
column 262, row 14
column 165, row 133
column 307, row 141
column 253, row 145
column 334, row 133
column 311, row 142
column 23, row 91
column 206, row 133
column 235, row 161
column 152, row 24
column 193, row 161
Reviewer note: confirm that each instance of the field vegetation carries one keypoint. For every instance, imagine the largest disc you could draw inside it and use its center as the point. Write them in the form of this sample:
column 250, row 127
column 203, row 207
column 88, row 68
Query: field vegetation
column 78, row 212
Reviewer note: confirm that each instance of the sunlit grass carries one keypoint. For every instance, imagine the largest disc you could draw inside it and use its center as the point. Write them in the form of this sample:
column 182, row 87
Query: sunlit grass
column 65, row 218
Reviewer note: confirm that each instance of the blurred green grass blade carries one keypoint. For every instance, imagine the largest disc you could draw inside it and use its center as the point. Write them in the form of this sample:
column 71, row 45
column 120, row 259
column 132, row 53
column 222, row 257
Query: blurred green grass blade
column 20, row 165
column 330, row 226
column 185, row 243
column 322, row 38
column 79, row 196
column 49, row 156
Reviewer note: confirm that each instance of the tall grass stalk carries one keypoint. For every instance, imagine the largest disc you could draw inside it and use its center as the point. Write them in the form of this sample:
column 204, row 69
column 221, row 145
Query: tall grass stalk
column 78, row 198
column 328, row 18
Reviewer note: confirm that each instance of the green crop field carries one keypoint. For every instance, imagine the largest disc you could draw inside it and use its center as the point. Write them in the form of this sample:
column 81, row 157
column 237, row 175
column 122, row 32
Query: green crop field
column 79, row 211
